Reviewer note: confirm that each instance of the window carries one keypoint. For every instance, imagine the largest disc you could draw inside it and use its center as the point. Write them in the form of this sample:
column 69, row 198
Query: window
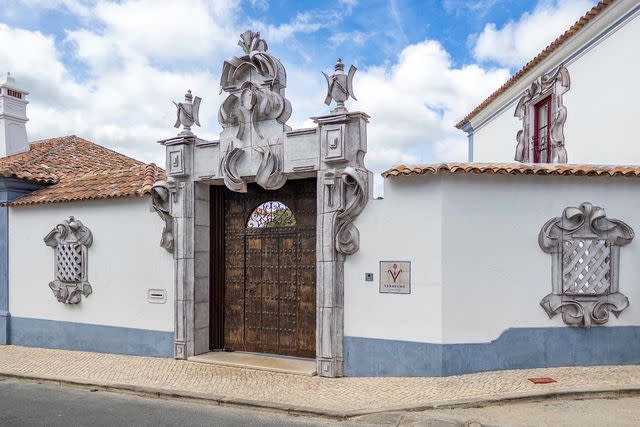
column 15, row 94
column 585, row 248
column 71, row 241
column 543, row 115
column 271, row 214
column 541, row 134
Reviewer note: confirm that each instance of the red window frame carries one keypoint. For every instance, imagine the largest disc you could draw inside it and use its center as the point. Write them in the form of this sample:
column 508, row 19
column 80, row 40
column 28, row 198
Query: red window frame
column 536, row 131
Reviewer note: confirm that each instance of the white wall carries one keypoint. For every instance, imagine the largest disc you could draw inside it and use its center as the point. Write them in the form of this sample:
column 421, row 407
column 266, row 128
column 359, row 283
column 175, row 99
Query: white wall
column 485, row 273
column 390, row 231
column 124, row 261
column 496, row 141
column 602, row 107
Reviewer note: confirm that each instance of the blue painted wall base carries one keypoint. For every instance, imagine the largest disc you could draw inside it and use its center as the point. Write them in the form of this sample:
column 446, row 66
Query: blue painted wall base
column 518, row 348
column 85, row 337
column 5, row 321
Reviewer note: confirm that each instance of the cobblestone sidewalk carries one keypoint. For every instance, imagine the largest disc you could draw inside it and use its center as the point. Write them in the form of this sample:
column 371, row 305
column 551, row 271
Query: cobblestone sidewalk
column 342, row 396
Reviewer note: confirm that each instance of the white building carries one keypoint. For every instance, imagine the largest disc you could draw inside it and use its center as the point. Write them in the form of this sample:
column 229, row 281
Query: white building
column 272, row 243
column 79, row 256
column 578, row 94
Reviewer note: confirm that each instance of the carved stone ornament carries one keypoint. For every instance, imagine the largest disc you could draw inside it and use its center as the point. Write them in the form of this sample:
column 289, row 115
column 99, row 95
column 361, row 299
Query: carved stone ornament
column 585, row 246
column 161, row 203
column 340, row 86
column 254, row 113
column 555, row 86
column 70, row 240
column 354, row 183
column 232, row 180
column 187, row 113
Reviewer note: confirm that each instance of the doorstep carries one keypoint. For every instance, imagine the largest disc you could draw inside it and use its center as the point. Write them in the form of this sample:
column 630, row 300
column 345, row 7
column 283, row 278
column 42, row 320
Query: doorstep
column 261, row 362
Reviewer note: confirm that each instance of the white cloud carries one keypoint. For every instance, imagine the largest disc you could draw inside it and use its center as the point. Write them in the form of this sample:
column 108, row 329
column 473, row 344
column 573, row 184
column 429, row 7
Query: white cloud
column 352, row 37
column 261, row 5
column 415, row 103
column 76, row 7
column 519, row 41
column 349, row 4
column 478, row 7
column 304, row 22
column 130, row 77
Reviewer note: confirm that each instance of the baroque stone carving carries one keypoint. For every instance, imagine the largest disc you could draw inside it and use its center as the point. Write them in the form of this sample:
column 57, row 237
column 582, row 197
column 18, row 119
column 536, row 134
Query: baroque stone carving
column 339, row 86
column 254, row 112
column 555, row 85
column 232, row 180
column 70, row 240
column 270, row 172
column 354, row 183
column 585, row 246
column 187, row 113
column 161, row 203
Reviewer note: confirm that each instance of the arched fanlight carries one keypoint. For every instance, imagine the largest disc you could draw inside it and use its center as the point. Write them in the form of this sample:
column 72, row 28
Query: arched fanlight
column 271, row 214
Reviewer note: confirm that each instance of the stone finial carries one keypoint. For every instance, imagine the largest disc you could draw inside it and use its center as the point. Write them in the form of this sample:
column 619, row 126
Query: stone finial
column 187, row 113
column 340, row 86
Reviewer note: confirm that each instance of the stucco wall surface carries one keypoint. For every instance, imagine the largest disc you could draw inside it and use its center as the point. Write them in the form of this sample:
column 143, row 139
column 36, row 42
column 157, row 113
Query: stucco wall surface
column 124, row 261
column 477, row 268
column 601, row 105
column 400, row 227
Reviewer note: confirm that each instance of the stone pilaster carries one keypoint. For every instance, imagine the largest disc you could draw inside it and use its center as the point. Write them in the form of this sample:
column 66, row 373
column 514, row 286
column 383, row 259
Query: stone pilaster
column 340, row 198
column 179, row 157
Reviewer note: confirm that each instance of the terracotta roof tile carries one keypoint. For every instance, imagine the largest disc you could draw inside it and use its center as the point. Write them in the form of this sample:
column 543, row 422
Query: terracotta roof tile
column 583, row 21
column 76, row 169
column 512, row 169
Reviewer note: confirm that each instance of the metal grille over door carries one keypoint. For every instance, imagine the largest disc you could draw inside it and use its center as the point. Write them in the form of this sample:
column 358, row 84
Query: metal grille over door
column 270, row 272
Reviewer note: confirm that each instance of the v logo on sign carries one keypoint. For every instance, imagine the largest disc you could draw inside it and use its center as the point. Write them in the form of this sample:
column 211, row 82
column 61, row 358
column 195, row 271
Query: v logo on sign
column 395, row 273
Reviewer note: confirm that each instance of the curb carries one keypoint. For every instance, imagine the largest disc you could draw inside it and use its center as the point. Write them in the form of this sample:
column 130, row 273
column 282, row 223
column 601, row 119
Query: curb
column 593, row 392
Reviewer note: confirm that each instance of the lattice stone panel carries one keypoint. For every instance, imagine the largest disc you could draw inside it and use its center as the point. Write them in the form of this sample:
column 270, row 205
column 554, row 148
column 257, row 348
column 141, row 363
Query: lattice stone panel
column 69, row 262
column 586, row 267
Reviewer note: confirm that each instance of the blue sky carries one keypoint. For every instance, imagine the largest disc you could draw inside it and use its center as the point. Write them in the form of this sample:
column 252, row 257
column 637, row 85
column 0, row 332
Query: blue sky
column 107, row 70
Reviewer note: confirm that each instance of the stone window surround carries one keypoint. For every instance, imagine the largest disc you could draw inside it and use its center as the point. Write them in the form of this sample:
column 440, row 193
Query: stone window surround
column 553, row 85
column 596, row 239
column 71, row 241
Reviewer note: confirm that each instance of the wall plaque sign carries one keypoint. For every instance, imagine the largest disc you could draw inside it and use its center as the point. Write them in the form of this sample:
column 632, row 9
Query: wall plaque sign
column 395, row 277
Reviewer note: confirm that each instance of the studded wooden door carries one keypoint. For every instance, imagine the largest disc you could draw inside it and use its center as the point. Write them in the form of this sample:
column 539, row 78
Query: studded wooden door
column 269, row 271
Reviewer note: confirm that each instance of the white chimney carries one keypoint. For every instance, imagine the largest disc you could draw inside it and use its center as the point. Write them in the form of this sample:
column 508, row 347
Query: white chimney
column 13, row 116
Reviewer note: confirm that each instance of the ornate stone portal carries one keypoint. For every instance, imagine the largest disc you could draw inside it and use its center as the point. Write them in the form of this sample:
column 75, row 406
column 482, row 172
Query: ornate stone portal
column 554, row 86
column 585, row 246
column 256, row 145
column 71, row 241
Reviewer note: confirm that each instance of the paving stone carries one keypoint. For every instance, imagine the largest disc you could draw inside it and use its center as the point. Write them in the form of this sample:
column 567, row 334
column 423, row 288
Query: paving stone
column 294, row 391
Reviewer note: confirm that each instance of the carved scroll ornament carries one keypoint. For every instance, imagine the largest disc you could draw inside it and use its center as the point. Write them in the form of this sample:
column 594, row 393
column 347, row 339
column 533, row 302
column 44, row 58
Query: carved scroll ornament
column 161, row 203
column 354, row 184
column 232, row 179
column 555, row 85
column 585, row 246
column 253, row 114
column 70, row 240
column 252, row 99
column 270, row 174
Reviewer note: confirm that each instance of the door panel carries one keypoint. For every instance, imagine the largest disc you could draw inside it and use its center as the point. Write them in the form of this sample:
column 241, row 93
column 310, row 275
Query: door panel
column 270, row 269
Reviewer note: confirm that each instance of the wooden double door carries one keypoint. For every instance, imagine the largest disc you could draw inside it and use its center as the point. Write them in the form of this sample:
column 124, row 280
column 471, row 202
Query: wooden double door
column 263, row 295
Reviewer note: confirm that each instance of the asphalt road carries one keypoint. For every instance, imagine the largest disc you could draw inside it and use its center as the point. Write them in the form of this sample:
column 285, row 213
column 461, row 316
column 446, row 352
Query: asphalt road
column 31, row 404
